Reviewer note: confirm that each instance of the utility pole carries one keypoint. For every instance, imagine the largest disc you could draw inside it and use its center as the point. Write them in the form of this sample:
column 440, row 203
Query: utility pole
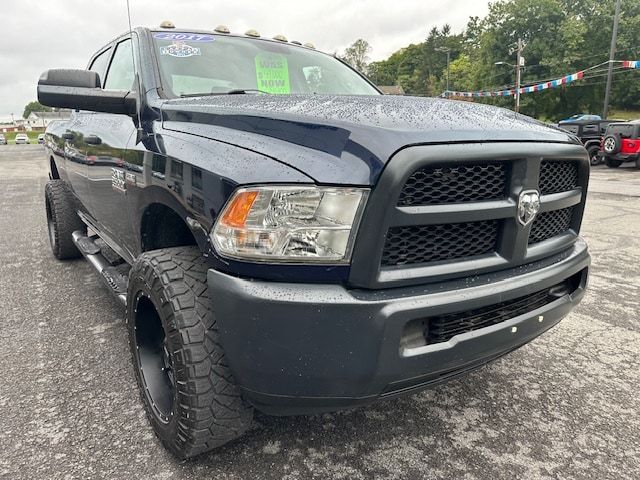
column 612, row 54
column 517, row 49
column 519, row 61
column 448, row 52
column 448, row 67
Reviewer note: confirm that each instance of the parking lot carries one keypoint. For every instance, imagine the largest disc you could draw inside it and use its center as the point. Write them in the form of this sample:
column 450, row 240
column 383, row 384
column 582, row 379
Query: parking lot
column 565, row 406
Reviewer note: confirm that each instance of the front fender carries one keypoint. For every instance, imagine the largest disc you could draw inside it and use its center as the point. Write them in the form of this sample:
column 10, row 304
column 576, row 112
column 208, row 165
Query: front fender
column 194, row 177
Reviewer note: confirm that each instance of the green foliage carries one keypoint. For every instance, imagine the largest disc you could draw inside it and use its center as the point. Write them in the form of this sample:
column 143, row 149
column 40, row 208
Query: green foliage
column 463, row 73
column 562, row 37
column 624, row 114
column 357, row 55
column 34, row 107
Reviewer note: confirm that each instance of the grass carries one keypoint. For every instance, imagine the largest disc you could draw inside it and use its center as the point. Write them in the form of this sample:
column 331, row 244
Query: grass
column 11, row 136
column 624, row 114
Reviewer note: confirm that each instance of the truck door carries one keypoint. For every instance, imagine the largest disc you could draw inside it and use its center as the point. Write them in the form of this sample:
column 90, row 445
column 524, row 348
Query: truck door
column 73, row 144
column 107, row 138
column 75, row 157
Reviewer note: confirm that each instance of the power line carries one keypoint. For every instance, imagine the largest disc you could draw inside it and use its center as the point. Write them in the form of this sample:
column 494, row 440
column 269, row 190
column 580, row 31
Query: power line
column 576, row 85
column 602, row 74
column 595, row 74
column 529, row 83
column 603, row 55
column 572, row 60
column 595, row 71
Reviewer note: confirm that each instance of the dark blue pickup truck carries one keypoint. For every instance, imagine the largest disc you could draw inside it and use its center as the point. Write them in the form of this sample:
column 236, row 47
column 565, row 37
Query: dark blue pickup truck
column 286, row 238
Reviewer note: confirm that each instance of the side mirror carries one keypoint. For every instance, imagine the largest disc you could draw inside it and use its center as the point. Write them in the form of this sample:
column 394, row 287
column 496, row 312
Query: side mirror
column 80, row 90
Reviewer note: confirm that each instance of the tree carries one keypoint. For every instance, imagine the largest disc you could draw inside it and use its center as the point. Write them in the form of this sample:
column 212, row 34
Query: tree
column 420, row 68
column 561, row 36
column 463, row 73
column 34, row 107
column 357, row 55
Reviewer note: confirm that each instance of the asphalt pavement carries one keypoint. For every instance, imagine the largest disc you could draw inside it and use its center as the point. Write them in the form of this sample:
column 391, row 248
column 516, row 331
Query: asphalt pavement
column 565, row 406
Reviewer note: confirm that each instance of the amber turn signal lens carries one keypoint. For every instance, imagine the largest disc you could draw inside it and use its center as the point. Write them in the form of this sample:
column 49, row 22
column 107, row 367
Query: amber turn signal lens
column 236, row 213
column 290, row 224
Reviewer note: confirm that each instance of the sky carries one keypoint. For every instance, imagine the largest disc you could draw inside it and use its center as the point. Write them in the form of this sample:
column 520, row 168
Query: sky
column 41, row 34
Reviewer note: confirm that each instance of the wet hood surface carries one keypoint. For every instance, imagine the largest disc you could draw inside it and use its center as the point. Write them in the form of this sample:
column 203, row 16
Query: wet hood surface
column 347, row 139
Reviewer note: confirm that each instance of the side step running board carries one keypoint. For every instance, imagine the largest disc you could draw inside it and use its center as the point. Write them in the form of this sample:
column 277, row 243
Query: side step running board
column 115, row 277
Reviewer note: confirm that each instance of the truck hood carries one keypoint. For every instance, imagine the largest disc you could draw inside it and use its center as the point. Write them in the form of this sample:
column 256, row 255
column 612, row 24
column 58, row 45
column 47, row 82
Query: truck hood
column 346, row 139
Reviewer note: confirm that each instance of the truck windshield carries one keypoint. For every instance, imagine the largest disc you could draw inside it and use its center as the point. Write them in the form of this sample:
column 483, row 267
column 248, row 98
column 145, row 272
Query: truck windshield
column 203, row 64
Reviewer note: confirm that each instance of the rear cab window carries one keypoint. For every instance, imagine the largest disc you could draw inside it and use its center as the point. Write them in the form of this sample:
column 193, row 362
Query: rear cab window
column 121, row 72
column 624, row 130
column 100, row 63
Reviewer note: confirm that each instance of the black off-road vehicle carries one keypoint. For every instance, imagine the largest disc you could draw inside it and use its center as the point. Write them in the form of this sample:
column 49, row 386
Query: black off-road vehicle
column 590, row 133
column 286, row 238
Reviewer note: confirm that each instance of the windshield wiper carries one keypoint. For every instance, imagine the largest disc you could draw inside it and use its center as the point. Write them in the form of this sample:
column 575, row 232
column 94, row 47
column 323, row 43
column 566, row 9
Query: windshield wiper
column 203, row 94
column 243, row 91
column 238, row 91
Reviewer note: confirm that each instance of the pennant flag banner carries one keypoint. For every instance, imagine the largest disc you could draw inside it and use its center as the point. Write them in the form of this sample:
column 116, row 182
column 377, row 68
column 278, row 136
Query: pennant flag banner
column 539, row 87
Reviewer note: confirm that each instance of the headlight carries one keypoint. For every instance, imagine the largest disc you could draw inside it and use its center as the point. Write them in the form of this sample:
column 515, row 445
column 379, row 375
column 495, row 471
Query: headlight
column 290, row 224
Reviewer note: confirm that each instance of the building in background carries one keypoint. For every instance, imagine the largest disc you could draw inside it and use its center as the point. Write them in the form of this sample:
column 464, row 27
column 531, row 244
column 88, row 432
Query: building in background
column 39, row 121
column 17, row 125
column 392, row 90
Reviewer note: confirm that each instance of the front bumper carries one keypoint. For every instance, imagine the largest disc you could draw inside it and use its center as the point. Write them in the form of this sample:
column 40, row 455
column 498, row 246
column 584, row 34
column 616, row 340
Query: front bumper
column 307, row 348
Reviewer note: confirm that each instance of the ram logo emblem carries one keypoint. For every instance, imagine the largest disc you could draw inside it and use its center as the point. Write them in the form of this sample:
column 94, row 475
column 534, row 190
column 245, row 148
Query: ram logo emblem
column 528, row 206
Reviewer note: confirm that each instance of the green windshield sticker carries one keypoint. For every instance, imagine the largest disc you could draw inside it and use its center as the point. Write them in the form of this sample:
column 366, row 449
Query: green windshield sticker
column 272, row 72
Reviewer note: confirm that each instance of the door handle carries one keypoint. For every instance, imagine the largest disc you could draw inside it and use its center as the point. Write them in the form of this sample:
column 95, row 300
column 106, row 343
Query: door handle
column 68, row 136
column 93, row 140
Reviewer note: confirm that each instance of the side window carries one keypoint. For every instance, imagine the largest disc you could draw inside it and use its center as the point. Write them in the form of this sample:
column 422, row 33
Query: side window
column 176, row 170
column 158, row 164
column 196, row 178
column 120, row 75
column 570, row 128
column 99, row 64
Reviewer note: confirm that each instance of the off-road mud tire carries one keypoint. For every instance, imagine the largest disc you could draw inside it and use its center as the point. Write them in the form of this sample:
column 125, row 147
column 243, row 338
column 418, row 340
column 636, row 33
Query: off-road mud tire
column 62, row 219
column 207, row 409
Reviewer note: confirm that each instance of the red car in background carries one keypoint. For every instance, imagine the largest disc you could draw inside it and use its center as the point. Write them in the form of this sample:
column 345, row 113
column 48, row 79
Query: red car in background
column 621, row 143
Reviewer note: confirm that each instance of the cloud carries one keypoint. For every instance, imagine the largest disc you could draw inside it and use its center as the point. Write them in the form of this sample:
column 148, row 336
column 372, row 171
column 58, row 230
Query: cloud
column 38, row 35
